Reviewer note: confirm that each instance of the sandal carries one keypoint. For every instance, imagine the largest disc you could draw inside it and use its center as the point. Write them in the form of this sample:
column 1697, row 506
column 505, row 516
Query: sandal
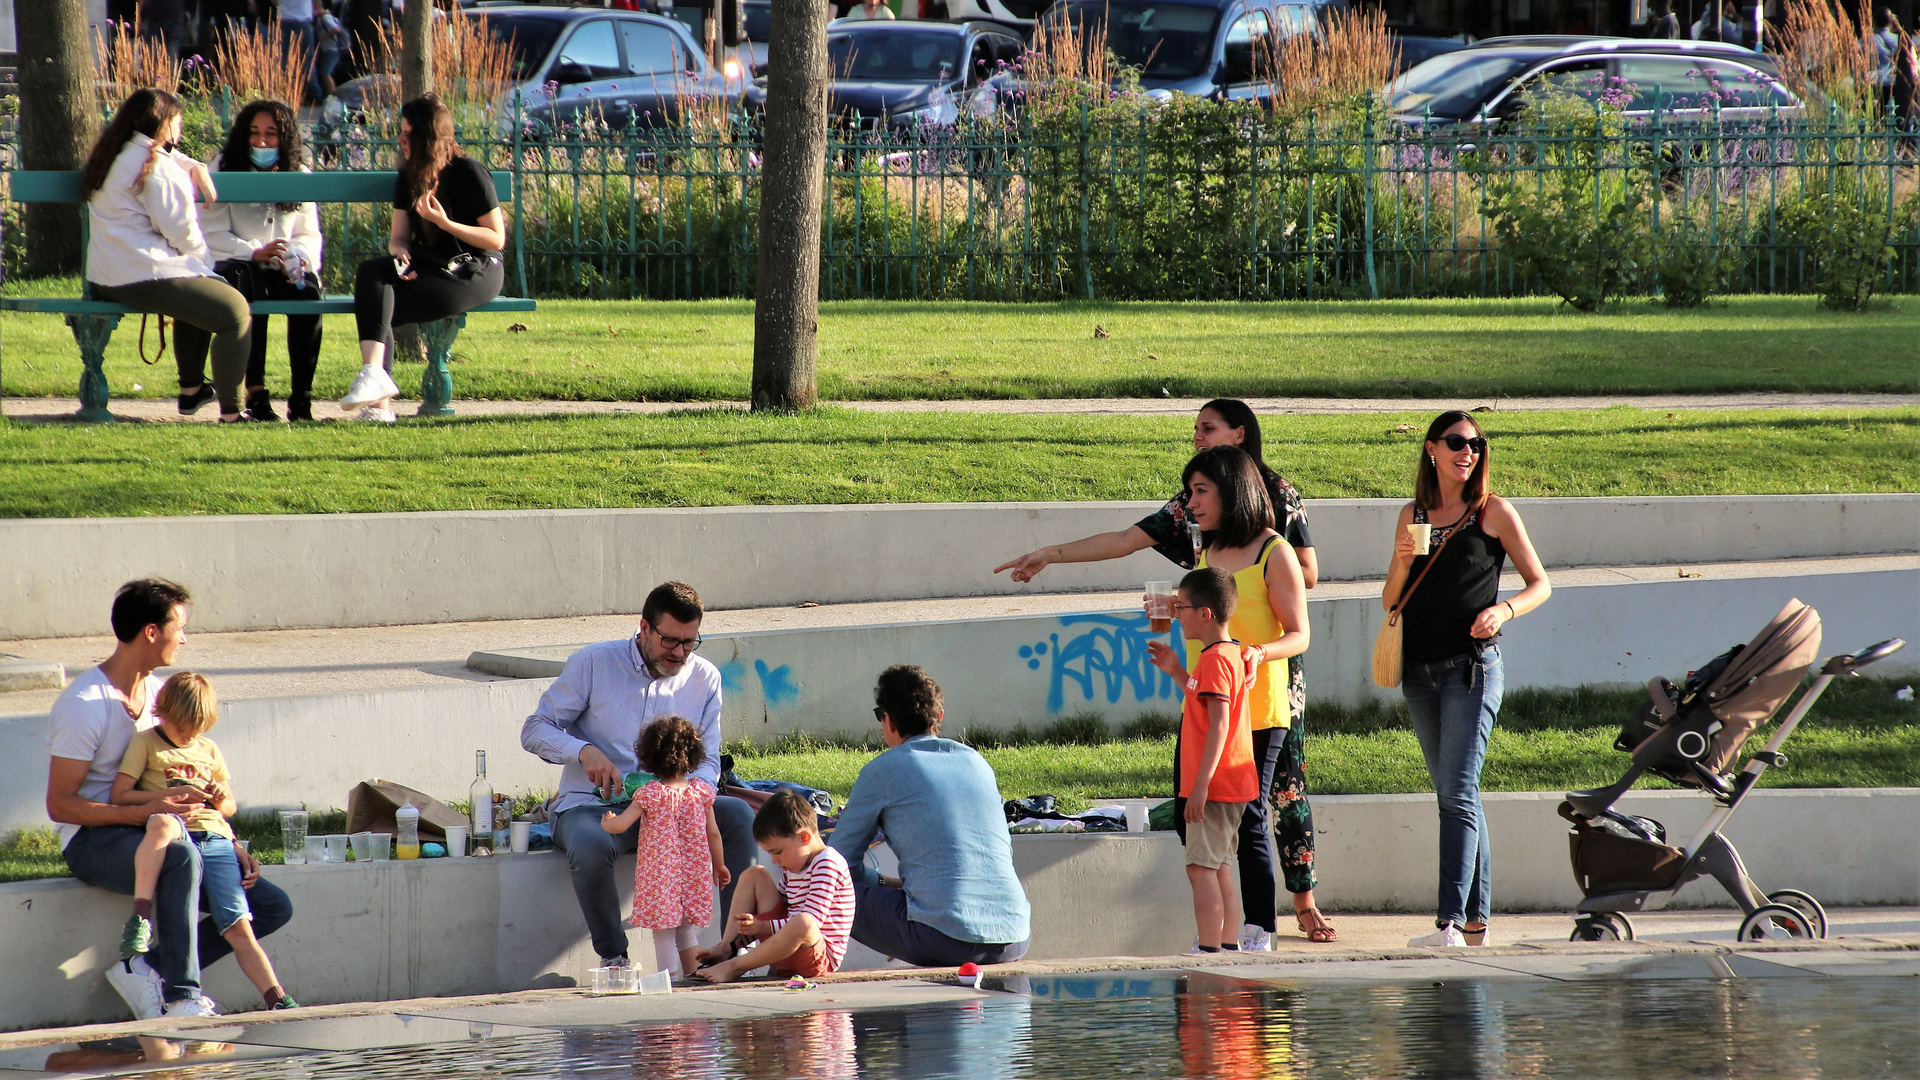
column 1322, row 932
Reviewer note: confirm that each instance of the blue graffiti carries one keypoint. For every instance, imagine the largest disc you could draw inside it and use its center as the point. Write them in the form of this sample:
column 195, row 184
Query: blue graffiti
column 1108, row 656
column 776, row 684
column 733, row 676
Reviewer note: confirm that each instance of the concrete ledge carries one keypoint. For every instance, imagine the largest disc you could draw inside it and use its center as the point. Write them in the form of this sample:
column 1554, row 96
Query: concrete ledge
column 444, row 927
column 436, row 567
column 20, row 673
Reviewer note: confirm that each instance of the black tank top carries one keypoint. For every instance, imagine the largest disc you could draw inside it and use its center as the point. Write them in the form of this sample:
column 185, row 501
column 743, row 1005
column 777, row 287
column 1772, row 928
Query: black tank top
column 1436, row 620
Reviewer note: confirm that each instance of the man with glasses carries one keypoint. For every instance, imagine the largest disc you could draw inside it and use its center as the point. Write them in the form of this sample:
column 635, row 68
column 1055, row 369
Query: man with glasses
column 588, row 722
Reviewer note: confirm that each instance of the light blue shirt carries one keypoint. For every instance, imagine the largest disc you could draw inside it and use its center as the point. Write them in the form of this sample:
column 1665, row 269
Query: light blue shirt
column 939, row 805
column 606, row 696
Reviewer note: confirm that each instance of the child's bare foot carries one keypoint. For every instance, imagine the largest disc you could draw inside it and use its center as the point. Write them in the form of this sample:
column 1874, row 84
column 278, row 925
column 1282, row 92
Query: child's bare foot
column 717, row 973
column 716, row 954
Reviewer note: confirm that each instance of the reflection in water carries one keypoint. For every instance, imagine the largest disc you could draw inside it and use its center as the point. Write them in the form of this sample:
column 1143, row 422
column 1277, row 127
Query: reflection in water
column 1212, row 1027
column 143, row 1051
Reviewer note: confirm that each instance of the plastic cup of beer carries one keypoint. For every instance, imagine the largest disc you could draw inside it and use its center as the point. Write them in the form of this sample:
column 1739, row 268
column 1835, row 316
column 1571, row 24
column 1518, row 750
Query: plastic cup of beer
column 1422, row 534
column 1160, row 606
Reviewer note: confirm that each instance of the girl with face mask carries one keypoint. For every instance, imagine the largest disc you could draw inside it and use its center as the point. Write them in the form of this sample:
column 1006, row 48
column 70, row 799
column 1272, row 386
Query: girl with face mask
column 268, row 251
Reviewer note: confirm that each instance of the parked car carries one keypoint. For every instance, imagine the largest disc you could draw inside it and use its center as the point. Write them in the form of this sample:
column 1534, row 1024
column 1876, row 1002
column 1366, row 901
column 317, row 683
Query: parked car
column 1014, row 13
column 750, row 54
column 906, row 74
column 1414, row 45
column 1202, row 47
column 1486, row 83
column 620, row 66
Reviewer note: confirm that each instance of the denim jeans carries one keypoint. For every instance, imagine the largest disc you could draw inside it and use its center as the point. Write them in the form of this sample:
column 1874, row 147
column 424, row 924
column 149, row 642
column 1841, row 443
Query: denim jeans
column 880, row 922
column 591, row 850
column 102, row 856
column 220, row 881
column 1454, row 703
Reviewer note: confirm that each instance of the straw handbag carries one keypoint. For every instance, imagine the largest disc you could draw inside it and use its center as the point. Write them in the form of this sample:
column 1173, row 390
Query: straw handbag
column 1386, row 645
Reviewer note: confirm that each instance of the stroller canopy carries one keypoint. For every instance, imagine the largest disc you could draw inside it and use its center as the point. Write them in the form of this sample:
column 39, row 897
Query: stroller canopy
column 1759, row 678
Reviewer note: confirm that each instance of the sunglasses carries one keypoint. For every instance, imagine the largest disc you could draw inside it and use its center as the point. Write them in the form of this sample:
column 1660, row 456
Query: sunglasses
column 1457, row 443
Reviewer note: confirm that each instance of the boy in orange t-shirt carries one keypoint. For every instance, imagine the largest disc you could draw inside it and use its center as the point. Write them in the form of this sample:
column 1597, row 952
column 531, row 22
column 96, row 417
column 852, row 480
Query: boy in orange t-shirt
column 1217, row 777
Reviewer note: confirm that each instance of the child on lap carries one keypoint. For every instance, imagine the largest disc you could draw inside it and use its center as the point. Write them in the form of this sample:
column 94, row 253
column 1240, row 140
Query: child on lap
column 803, row 919
column 678, row 864
column 1217, row 775
column 160, row 762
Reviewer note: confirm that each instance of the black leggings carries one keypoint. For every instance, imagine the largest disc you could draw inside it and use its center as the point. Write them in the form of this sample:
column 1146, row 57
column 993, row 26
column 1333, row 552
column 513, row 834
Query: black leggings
column 190, row 343
column 381, row 301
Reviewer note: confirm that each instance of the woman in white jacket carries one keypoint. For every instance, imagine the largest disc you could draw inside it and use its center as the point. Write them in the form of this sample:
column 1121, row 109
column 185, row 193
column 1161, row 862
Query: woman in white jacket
column 146, row 249
column 268, row 251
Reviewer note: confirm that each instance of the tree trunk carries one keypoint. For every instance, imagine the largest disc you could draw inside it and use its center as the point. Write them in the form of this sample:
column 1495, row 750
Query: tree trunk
column 786, row 314
column 408, row 348
column 416, row 50
column 59, row 119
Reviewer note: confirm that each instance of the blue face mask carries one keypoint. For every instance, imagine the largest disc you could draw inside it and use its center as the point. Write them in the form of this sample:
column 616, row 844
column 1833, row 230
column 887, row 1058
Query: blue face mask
column 264, row 157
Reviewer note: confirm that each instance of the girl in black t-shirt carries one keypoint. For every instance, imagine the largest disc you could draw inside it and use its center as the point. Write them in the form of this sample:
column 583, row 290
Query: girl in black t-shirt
column 443, row 251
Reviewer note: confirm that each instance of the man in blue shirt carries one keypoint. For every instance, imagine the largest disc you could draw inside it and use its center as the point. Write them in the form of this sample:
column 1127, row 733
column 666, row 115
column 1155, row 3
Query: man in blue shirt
column 957, row 899
column 588, row 722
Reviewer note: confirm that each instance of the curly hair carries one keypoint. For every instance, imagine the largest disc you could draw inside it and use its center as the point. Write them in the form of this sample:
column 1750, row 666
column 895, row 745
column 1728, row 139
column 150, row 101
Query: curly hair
column 670, row 748
column 235, row 156
column 911, row 699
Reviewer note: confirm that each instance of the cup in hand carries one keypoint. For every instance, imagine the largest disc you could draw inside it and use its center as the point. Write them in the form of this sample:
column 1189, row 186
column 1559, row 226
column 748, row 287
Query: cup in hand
column 1160, row 606
column 1422, row 534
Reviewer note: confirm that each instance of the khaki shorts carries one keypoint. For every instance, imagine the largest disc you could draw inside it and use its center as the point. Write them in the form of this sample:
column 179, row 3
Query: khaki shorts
column 1213, row 840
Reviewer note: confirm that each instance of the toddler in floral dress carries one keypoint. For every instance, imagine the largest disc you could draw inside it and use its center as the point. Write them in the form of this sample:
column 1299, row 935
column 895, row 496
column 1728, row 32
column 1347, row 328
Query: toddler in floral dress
column 678, row 864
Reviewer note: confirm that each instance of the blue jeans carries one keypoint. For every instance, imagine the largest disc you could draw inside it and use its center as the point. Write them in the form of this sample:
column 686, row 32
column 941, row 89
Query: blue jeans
column 880, row 923
column 102, row 856
column 299, row 34
column 1453, row 704
column 591, row 850
column 220, row 881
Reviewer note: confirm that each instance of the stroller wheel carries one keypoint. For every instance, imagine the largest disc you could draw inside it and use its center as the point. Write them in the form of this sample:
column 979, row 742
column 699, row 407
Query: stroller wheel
column 1805, row 905
column 1602, row 926
column 1776, row 922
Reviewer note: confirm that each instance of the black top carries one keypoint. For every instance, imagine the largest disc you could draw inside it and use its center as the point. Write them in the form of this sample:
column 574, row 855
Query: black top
column 1437, row 618
column 465, row 192
column 1167, row 526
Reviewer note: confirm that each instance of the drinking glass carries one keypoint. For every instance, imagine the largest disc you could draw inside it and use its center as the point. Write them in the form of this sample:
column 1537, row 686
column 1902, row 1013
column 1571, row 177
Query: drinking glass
column 1160, row 606
column 293, row 835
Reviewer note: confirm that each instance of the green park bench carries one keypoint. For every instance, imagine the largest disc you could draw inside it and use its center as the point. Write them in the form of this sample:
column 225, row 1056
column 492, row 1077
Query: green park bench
column 93, row 321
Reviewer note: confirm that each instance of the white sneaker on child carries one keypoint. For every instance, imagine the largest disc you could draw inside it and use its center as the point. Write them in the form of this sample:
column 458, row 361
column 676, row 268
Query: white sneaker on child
column 370, row 384
column 1448, row 936
column 379, row 416
column 1255, row 939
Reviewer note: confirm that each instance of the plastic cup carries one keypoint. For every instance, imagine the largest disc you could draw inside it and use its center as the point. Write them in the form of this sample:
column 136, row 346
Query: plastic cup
column 658, row 982
column 382, row 846
column 293, row 833
column 362, row 846
column 1422, row 534
column 1160, row 606
column 336, row 848
column 457, row 841
column 602, row 979
column 316, row 850
column 244, row 845
column 522, row 834
column 1136, row 817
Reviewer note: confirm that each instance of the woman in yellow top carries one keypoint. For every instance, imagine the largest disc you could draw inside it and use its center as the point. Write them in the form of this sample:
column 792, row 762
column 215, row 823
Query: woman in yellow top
column 1227, row 498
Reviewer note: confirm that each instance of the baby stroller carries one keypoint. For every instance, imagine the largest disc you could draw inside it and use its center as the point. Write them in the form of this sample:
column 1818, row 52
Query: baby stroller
column 1692, row 735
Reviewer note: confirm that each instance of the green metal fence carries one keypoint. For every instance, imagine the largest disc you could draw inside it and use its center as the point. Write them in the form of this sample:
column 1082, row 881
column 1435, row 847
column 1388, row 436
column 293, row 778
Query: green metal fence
column 1178, row 203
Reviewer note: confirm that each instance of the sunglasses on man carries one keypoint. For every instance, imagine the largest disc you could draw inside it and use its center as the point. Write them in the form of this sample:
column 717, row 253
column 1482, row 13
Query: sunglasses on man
column 1457, row 443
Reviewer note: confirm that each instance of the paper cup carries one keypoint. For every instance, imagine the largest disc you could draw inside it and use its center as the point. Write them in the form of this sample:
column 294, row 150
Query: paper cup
column 1136, row 817
column 1422, row 534
column 521, row 833
column 457, row 841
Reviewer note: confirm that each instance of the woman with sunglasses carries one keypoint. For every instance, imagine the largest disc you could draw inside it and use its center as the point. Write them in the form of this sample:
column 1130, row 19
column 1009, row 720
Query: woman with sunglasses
column 1451, row 671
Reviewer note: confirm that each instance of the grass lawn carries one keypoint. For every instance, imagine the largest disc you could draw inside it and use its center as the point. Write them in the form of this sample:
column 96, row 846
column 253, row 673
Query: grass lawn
column 841, row 456
column 1858, row 736
column 702, row 351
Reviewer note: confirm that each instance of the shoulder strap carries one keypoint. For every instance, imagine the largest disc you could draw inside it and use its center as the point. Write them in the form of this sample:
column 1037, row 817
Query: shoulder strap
column 1393, row 615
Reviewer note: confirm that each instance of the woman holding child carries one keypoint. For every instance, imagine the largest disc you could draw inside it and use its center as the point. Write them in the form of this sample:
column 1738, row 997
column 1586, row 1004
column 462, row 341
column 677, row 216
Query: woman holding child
column 1173, row 532
column 1451, row 673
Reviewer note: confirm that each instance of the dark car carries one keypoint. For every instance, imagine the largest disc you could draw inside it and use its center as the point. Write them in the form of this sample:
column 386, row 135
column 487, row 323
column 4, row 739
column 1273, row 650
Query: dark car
column 1415, row 45
column 569, row 63
column 1488, row 82
column 909, row 74
column 1201, row 47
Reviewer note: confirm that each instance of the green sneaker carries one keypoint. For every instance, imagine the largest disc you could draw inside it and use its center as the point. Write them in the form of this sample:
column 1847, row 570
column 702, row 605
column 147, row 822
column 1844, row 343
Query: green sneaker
column 286, row 1002
column 136, row 937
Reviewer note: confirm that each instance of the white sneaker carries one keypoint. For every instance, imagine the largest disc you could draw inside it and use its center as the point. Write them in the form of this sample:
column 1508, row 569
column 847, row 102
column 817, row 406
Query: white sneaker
column 1255, row 939
column 1448, row 936
column 139, row 986
column 193, row 1006
column 381, row 416
column 370, row 384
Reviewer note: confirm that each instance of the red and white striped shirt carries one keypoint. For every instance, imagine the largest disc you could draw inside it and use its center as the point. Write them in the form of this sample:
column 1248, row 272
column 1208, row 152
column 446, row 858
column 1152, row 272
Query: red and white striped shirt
column 823, row 890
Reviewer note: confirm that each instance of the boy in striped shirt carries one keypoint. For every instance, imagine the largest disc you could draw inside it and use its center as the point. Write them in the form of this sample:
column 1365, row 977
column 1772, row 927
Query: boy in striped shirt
column 801, row 919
